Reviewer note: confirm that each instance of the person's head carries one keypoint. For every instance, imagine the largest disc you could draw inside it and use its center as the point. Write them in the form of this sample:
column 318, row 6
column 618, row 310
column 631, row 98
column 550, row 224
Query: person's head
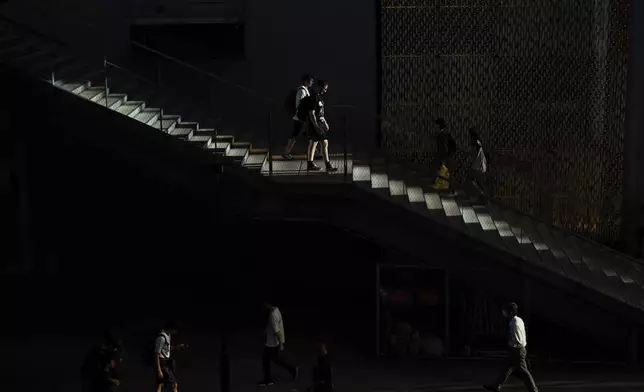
column 307, row 80
column 321, row 348
column 321, row 86
column 109, row 342
column 474, row 137
column 510, row 310
column 171, row 328
column 268, row 305
column 440, row 123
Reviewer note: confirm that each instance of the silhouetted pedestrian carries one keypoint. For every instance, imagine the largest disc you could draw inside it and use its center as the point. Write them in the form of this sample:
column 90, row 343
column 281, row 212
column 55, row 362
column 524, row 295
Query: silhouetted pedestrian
column 322, row 376
column 479, row 168
column 274, row 346
column 517, row 347
column 292, row 104
column 445, row 151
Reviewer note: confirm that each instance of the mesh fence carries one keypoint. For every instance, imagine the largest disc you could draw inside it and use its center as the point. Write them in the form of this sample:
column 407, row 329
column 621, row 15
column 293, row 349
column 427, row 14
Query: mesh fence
column 544, row 83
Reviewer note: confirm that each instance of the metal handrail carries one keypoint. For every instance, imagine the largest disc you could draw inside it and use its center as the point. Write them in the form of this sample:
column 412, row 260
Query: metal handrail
column 129, row 72
column 273, row 101
column 141, row 46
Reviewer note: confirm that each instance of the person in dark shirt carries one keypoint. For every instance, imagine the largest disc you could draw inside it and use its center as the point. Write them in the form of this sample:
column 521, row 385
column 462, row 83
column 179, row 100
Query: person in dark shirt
column 99, row 369
column 445, row 150
column 311, row 111
column 322, row 373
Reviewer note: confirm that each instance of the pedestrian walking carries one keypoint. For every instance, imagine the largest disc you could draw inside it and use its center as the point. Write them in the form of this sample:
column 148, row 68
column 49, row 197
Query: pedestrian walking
column 517, row 353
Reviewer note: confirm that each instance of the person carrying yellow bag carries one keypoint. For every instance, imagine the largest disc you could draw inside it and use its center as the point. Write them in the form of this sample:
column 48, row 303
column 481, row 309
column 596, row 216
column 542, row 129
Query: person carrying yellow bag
column 445, row 150
column 442, row 180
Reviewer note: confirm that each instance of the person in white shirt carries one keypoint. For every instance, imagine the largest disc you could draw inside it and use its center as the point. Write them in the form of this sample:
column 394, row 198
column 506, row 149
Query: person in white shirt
column 298, row 125
column 274, row 346
column 478, row 171
column 517, row 345
column 163, row 360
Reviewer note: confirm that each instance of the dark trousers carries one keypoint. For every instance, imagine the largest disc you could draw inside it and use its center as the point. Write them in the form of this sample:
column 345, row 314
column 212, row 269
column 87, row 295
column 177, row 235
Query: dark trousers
column 517, row 365
column 479, row 183
column 272, row 354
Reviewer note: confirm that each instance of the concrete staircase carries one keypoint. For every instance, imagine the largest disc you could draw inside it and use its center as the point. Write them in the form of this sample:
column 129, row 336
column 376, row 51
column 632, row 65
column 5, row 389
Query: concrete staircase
column 590, row 264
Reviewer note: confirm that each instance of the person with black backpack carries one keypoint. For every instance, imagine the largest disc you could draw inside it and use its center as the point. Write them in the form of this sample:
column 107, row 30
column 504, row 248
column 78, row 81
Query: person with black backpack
column 291, row 104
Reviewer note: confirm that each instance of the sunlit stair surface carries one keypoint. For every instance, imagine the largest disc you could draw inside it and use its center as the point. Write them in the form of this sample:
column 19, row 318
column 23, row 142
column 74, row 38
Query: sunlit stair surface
column 530, row 241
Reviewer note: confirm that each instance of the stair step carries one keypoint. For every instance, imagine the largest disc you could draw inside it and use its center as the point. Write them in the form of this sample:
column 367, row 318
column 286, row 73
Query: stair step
column 93, row 93
column 397, row 188
column 181, row 132
column 434, row 207
column 113, row 101
column 131, row 108
column 75, row 88
column 379, row 180
column 169, row 122
column 219, row 147
column 201, row 141
column 255, row 161
column 148, row 115
column 242, row 145
column 361, row 173
column 235, row 155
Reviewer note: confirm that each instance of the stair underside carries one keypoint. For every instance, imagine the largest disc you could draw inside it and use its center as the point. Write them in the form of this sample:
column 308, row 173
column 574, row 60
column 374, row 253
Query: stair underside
column 590, row 264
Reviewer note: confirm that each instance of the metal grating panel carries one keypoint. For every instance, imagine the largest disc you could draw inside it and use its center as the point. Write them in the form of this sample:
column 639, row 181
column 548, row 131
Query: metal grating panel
column 255, row 159
column 200, row 139
column 503, row 228
column 181, row 132
column 433, row 201
column 147, row 115
column 469, row 216
column 286, row 167
column 361, row 173
column 379, row 181
column 128, row 108
column 397, row 187
column 450, row 207
column 236, row 152
column 111, row 100
column 524, row 78
column 92, row 93
column 415, row 194
column 486, row 221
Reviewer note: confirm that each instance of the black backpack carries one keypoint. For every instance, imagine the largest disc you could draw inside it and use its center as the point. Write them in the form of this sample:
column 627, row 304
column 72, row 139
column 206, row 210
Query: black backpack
column 148, row 352
column 289, row 102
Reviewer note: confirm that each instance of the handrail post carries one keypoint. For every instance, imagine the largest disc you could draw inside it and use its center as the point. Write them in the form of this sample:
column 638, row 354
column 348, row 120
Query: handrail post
column 345, row 149
column 270, row 148
column 158, row 90
column 105, row 79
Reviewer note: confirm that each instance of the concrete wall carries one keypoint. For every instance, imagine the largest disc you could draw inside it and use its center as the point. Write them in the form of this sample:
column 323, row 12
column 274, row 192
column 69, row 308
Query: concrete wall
column 335, row 40
column 633, row 204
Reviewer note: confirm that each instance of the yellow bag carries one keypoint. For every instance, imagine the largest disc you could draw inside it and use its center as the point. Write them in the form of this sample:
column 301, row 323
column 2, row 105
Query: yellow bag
column 440, row 183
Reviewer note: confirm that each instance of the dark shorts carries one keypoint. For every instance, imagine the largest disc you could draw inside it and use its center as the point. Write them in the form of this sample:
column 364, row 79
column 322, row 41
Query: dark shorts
column 298, row 128
column 314, row 135
column 167, row 367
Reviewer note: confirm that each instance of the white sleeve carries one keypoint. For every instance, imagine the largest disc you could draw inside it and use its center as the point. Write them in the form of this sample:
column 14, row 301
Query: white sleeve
column 158, row 344
column 275, row 322
column 301, row 93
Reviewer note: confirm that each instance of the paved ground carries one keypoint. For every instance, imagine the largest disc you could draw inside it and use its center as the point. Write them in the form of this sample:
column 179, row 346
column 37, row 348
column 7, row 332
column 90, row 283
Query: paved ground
column 37, row 368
